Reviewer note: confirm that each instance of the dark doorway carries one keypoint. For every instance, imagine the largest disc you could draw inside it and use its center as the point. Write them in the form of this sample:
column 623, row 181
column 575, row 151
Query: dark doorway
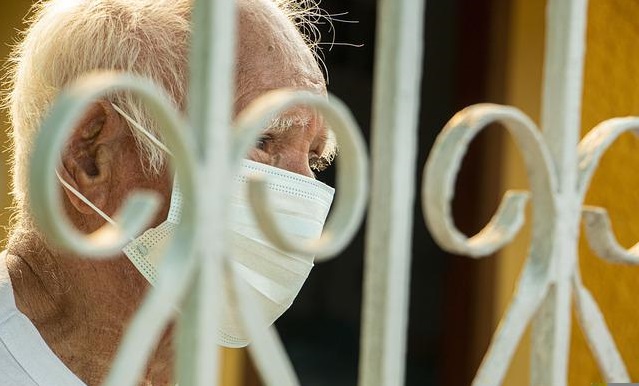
column 321, row 330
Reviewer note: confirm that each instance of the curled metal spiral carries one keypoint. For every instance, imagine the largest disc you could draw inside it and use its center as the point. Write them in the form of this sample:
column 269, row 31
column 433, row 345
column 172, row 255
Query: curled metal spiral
column 596, row 221
column 443, row 165
column 352, row 177
column 139, row 208
column 540, row 270
column 437, row 193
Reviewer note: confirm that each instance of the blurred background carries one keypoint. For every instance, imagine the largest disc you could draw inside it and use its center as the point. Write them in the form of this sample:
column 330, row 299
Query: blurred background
column 475, row 51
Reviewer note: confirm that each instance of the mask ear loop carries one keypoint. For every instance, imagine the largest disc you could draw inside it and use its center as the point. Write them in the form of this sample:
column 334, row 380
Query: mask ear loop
column 79, row 195
column 144, row 131
column 88, row 202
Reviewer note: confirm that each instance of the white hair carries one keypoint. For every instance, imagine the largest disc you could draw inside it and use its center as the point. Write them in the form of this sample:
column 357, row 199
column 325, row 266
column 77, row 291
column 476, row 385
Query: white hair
column 69, row 38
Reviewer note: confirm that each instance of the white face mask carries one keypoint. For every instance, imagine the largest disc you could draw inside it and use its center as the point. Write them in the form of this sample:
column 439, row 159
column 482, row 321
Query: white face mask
column 300, row 204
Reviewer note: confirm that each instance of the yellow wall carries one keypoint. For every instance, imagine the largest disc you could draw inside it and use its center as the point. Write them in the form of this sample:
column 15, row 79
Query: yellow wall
column 611, row 89
column 10, row 20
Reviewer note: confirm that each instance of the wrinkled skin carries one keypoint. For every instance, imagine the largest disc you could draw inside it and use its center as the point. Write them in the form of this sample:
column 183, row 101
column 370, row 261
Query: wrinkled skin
column 82, row 307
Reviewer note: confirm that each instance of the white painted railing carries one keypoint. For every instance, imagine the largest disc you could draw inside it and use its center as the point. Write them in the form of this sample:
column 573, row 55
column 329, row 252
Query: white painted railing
column 559, row 169
column 207, row 150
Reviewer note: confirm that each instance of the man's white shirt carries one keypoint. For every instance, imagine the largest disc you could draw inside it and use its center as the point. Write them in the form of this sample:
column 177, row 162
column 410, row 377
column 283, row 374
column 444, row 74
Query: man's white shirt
column 25, row 358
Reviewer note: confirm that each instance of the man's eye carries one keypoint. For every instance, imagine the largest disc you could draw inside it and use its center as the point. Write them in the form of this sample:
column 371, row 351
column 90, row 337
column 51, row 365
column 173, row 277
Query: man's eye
column 262, row 142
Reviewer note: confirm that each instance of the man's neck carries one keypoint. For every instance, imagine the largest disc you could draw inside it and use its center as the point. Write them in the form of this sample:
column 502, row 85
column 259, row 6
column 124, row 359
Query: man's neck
column 76, row 308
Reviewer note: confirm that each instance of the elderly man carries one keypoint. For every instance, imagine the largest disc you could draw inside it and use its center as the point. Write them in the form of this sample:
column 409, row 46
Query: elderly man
column 62, row 317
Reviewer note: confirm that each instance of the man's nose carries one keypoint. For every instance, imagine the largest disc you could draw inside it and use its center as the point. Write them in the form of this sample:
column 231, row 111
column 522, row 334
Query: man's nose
column 294, row 161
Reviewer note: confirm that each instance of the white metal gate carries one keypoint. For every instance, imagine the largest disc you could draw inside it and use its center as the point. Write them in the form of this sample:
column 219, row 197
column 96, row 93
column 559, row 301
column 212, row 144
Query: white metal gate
column 559, row 168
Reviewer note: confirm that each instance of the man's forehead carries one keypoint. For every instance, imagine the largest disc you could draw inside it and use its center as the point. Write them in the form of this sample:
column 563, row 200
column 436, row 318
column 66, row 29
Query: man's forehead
column 272, row 53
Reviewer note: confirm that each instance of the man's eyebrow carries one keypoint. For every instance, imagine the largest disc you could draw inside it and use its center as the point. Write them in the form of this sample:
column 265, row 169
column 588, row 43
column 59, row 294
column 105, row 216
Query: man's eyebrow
column 286, row 122
column 283, row 123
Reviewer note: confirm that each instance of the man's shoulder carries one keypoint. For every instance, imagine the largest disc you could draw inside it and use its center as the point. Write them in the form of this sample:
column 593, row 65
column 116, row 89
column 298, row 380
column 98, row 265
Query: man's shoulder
column 25, row 358
column 11, row 372
column 4, row 272
column 7, row 302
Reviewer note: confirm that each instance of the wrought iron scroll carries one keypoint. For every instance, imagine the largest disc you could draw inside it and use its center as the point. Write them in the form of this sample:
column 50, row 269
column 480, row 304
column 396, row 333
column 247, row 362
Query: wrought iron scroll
column 559, row 170
column 206, row 149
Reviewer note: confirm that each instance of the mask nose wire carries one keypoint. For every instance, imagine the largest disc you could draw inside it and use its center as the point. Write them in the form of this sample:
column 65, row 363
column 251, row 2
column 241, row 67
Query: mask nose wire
column 79, row 195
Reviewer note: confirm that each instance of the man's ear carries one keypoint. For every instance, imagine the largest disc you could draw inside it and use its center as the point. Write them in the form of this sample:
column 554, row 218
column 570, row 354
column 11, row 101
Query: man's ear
column 88, row 159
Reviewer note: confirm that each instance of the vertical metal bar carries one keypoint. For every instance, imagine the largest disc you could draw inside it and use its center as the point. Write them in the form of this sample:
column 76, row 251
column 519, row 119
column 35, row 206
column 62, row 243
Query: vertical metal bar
column 210, row 105
column 561, row 122
column 388, row 244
